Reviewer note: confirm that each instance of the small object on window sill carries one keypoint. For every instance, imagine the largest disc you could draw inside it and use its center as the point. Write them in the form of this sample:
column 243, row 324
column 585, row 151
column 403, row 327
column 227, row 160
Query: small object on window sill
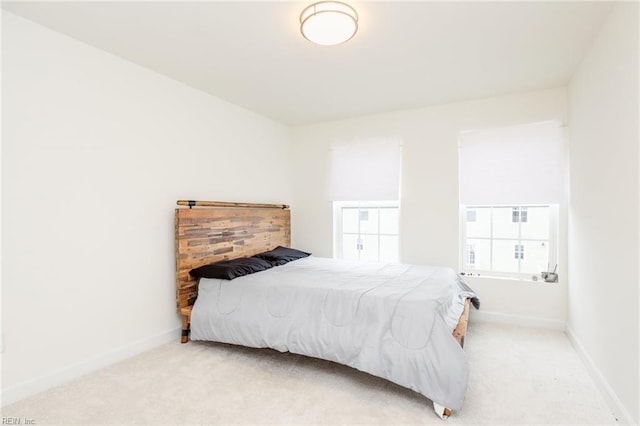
column 550, row 277
column 470, row 274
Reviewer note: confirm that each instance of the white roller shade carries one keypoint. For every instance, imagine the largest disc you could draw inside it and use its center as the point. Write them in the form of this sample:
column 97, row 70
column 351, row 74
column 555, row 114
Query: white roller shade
column 512, row 165
column 365, row 171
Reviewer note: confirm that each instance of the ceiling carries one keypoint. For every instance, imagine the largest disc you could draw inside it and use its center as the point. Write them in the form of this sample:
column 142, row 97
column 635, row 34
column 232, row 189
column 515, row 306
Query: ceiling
column 405, row 54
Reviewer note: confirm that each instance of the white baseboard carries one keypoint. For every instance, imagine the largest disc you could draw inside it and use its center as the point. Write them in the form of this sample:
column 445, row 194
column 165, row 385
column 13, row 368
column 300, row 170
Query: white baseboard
column 619, row 410
column 31, row 387
column 496, row 317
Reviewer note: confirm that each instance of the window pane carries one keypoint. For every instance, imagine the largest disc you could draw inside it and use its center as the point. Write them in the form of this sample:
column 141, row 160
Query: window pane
column 350, row 247
column 369, row 247
column 503, row 254
column 368, row 221
column 471, row 215
column 535, row 258
column 350, row 220
column 482, row 254
column 362, row 226
column 389, row 221
column 503, row 225
column 537, row 225
column 481, row 228
column 389, row 249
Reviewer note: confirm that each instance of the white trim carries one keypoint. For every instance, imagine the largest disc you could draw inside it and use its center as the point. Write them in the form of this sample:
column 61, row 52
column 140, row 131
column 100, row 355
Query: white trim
column 499, row 318
column 619, row 411
column 30, row 387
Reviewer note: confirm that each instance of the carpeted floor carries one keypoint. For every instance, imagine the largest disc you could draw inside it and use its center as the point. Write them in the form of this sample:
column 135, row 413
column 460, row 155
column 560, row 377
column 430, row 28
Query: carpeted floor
column 518, row 376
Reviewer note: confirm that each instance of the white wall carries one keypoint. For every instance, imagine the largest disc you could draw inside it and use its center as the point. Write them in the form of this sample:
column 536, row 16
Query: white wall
column 603, row 213
column 429, row 189
column 96, row 150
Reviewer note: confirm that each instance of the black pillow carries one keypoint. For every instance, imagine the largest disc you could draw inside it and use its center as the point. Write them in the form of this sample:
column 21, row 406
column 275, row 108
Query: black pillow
column 281, row 255
column 230, row 269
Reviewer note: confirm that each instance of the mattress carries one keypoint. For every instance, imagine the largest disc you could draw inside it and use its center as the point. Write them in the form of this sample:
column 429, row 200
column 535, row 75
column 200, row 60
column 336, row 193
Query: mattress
column 394, row 321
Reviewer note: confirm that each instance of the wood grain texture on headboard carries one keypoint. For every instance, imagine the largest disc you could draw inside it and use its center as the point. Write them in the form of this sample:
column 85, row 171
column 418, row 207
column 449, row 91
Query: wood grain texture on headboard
column 209, row 234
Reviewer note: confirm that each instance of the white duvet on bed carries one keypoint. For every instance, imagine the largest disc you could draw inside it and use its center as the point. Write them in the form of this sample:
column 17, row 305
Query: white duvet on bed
column 392, row 321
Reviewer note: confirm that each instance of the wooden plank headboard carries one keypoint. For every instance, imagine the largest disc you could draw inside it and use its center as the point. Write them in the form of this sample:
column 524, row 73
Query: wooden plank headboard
column 213, row 231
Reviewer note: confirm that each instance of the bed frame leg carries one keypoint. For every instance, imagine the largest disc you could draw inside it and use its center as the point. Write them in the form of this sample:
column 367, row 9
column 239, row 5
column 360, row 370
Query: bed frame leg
column 441, row 411
column 186, row 325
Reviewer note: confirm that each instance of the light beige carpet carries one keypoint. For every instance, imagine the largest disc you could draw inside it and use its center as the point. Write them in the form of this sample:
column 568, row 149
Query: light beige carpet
column 518, row 376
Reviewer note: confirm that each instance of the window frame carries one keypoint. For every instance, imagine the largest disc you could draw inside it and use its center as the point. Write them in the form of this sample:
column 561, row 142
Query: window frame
column 553, row 242
column 337, row 223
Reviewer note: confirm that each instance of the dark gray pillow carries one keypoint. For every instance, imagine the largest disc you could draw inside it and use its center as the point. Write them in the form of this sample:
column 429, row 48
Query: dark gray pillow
column 232, row 268
column 281, row 255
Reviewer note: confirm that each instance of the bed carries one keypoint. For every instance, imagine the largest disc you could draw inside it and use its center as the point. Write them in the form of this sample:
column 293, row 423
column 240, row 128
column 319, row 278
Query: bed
column 404, row 323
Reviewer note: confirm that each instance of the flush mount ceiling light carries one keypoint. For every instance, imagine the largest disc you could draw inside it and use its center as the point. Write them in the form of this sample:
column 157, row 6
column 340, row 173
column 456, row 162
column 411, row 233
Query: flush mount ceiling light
column 328, row 22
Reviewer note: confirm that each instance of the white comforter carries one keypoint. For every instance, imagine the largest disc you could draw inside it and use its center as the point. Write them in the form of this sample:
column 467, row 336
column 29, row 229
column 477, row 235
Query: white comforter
column 392, row 321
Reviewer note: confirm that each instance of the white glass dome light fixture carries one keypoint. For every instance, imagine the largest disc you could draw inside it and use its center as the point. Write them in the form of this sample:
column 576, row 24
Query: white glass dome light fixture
column 328, row 22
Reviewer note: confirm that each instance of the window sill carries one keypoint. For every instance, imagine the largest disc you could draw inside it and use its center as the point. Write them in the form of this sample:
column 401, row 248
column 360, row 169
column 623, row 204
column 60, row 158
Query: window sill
column 488, row 275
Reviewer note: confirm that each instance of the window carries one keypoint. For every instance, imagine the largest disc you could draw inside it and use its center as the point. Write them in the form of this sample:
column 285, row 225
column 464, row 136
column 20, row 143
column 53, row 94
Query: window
column 367, row 231
column 510, row 187
column 515, row 241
